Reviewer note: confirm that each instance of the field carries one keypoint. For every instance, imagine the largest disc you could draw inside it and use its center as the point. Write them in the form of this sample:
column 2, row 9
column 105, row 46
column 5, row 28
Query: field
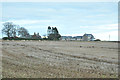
column 59, row 59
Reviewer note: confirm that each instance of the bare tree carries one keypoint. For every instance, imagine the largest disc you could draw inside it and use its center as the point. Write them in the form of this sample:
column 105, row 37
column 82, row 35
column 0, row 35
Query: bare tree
column 15, row 30
column 7, row 29
column 23, row 32
column 12, row 30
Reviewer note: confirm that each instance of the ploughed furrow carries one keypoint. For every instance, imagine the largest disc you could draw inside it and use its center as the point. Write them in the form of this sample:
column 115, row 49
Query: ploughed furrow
column 79, row 57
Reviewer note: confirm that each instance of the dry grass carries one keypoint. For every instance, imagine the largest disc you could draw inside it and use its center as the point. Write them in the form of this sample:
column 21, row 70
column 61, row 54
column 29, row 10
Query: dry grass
column 61, row 59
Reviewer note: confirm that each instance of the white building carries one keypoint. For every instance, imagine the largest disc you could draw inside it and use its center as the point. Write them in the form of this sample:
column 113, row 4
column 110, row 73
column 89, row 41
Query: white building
column 85, row 37
column 79, row 38
column 88, row 37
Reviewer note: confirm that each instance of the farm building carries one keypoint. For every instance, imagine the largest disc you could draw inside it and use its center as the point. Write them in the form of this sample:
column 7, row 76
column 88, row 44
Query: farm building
column 85, row 37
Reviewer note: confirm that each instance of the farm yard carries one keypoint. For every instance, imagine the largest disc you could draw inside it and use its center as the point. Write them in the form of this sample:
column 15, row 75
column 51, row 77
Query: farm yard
column 59, row 59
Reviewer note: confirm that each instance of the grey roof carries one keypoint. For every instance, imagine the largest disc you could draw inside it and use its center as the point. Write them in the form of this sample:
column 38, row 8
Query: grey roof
column 90, row 35
column 79, row 36
column 66, row 36
column 69, row 36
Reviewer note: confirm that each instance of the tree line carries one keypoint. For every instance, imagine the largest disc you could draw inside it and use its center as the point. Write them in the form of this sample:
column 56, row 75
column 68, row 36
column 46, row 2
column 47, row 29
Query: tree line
column 12, row 30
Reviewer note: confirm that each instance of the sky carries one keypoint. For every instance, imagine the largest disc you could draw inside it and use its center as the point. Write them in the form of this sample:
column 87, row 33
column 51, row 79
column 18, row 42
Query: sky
column 71, row 18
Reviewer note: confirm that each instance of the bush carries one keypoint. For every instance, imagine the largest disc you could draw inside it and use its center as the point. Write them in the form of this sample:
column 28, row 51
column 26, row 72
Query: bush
column 5, row 38
column 97, row 40
column 16, row 38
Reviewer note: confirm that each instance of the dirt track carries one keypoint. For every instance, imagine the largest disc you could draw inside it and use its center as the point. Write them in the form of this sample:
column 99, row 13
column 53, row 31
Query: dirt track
column 61, row 59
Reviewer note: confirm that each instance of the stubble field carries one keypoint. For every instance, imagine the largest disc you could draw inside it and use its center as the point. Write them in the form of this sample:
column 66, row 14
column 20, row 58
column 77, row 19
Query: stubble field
column 59, row 59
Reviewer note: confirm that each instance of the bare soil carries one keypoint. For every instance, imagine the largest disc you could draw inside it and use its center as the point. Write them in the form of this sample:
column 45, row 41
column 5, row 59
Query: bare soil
column 59, row 59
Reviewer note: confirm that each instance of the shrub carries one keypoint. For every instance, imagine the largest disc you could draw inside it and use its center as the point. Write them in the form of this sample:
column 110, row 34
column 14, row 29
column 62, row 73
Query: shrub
column 97, row 40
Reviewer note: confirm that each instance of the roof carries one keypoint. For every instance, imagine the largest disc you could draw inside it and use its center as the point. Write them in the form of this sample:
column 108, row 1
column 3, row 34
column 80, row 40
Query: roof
column 89, row 35
column 66, row 36
column 79, row 36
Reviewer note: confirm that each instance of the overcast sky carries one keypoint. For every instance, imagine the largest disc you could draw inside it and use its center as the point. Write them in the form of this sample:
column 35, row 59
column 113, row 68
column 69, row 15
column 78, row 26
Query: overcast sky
column 71, row 18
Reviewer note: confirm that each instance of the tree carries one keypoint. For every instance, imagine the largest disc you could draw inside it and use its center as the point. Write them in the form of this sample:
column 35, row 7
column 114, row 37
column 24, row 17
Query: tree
column 56, row 30
column 97, row 40
column 54, row 36
column 23, row 32
column 15, row 30
column 12, row 30
column 7, row 29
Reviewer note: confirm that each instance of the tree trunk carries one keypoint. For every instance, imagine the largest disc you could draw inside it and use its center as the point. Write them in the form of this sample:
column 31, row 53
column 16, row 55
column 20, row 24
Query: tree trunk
column 8, row 34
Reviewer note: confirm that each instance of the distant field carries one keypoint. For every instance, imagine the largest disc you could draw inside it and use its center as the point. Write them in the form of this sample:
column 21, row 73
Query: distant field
column 59, row 59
